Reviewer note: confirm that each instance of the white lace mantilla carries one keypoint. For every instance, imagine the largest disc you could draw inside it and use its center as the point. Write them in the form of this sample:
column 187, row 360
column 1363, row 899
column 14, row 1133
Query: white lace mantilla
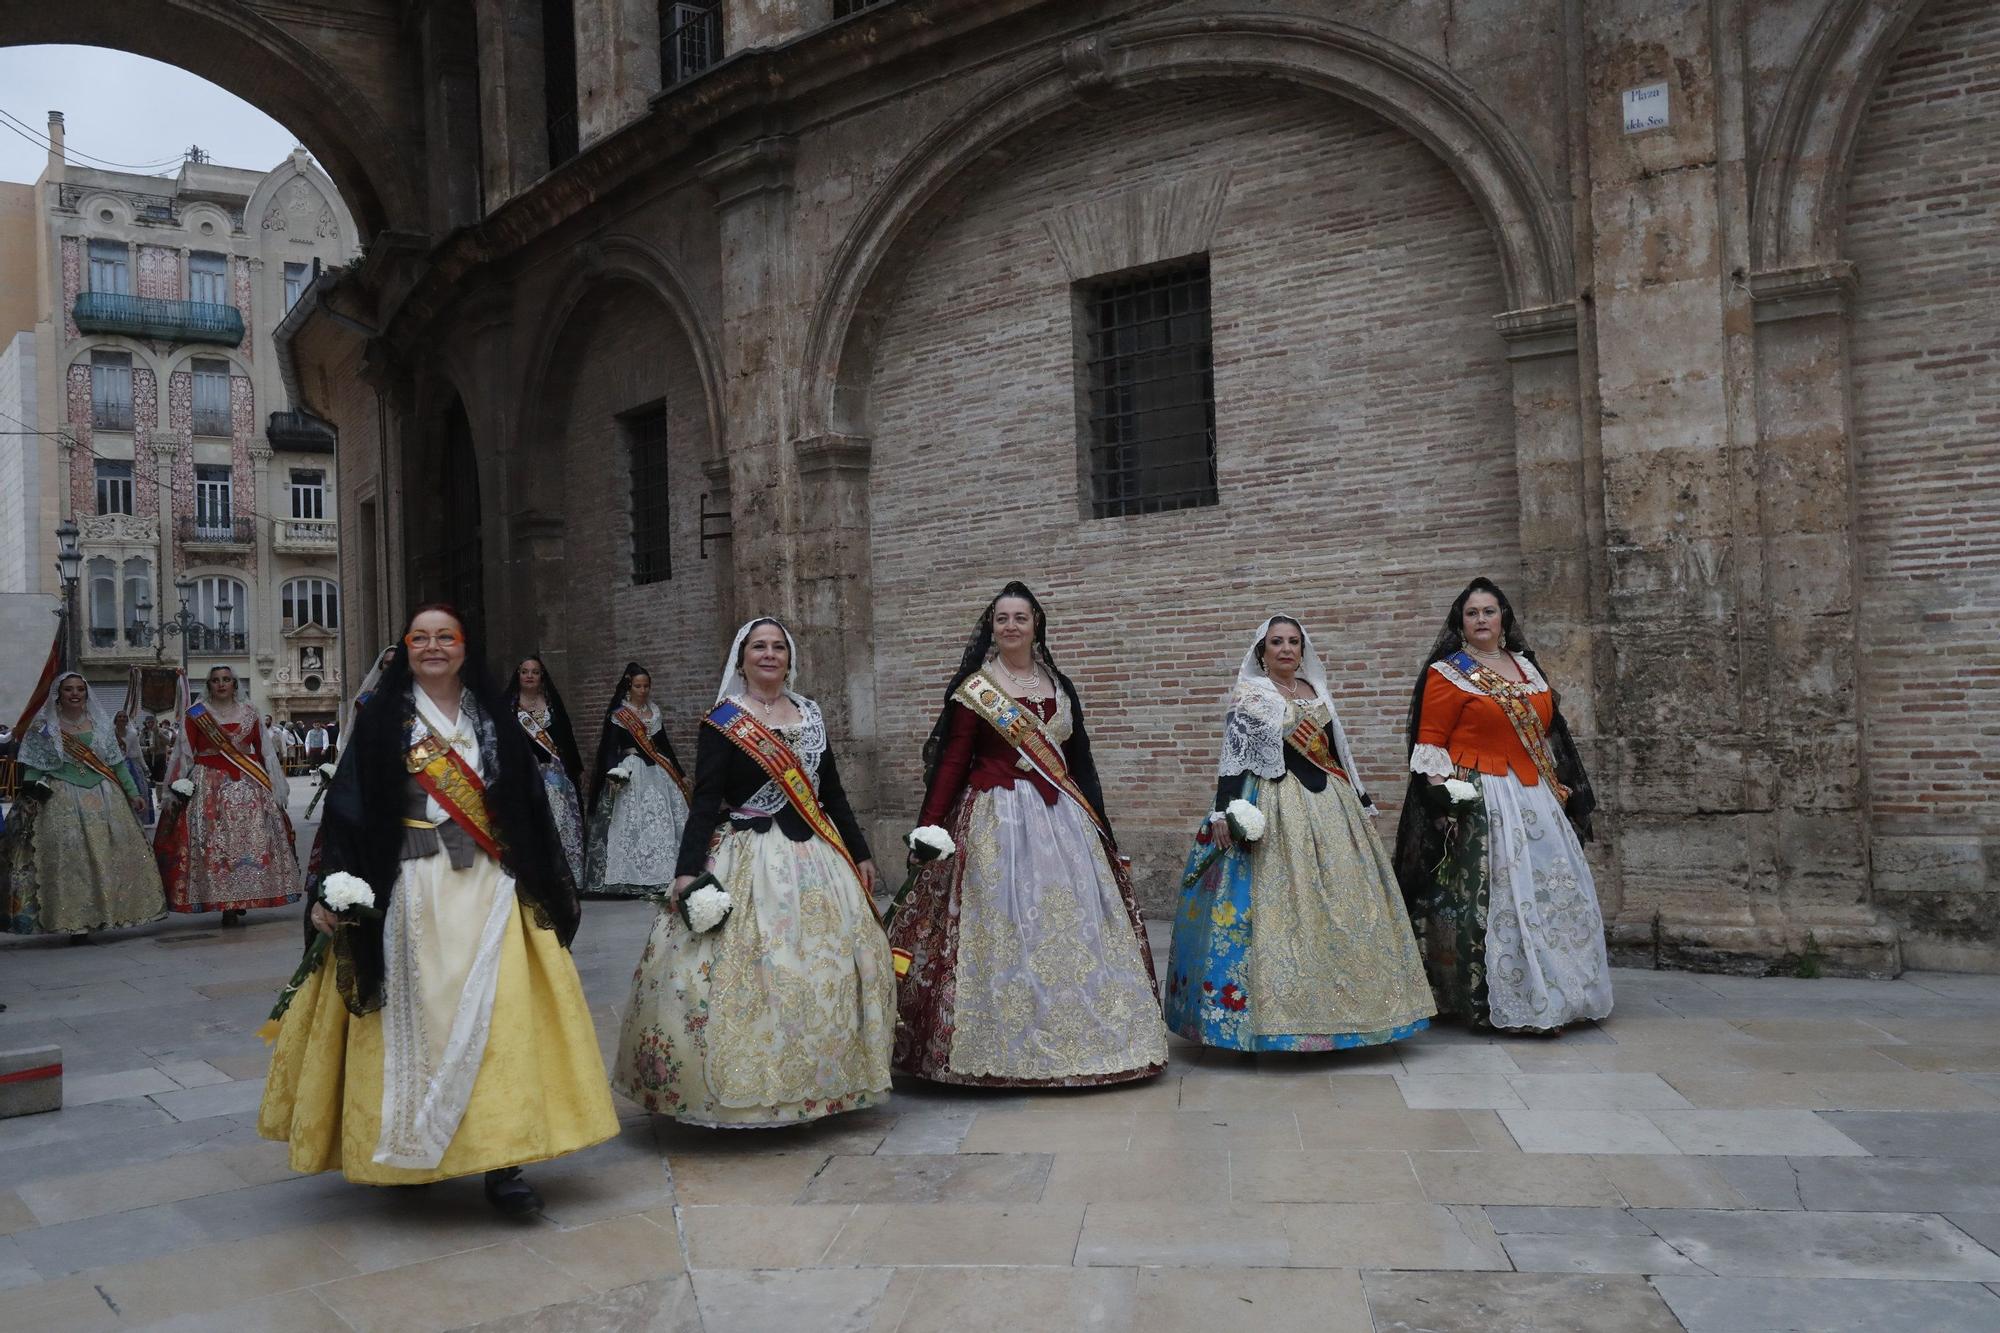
column 808, row 741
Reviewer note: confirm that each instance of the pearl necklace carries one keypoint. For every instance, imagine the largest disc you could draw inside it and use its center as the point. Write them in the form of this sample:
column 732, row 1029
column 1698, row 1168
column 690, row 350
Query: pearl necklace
column 1033, row 688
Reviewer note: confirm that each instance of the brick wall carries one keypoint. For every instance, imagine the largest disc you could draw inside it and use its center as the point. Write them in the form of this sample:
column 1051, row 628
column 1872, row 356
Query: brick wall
column 1365, row 441
column 1923, row 225
column 621, row 350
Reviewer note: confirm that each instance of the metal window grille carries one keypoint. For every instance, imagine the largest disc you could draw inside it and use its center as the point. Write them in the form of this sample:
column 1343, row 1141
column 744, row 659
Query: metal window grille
column 843, row 8
column 559, row 104
column 311, row 601
column 690, row 40
column 308, row 494
column 110, row 268
column 114, row 486
column 646, row 447
column 208, row 279
column 1150, row 391
column 213, row 519
column 111, row 390
column 211, row 398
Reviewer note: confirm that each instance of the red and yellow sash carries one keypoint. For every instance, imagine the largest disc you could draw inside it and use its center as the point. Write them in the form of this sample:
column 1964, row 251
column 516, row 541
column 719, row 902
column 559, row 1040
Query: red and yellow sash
column 635, row 726
column 1310, row 739
column 1021, row 728
column 457, row 789
column 85, row 757
column 782, row 766
column 1512, row 696
column 203, row 721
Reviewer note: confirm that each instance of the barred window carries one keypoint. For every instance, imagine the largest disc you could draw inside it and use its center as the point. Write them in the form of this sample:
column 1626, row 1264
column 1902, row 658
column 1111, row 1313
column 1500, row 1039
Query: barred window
column 1148, row 390
column 114, row 486
column 646, row 451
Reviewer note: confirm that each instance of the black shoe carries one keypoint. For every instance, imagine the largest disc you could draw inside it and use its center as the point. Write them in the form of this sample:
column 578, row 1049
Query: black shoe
column 510, row 1194
column 232, row 918
column 80, row 937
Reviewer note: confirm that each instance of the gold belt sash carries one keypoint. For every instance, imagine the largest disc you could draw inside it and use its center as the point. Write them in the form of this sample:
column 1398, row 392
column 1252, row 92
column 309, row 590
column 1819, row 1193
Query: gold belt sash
column 1521, row 715
column 1021, row 728
column 444, row 777
column 782, row 766
column 204, row 722
column 635, row 726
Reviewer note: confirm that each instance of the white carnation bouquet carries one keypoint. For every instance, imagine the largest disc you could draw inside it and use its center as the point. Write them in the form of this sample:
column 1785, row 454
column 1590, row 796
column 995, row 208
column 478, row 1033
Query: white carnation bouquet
column 1460, row 803
column 1246, row 825
column 1460, row 791
column 348, row 897
column 706, row 905
column 623, row 770
column 927, row 843
column 181, row 787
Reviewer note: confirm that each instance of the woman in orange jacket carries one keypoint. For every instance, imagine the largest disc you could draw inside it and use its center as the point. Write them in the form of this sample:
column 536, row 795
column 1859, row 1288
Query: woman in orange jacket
column 1490, row 849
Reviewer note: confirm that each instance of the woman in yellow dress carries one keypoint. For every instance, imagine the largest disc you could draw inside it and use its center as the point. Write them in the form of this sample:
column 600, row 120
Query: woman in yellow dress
column 448, row 1035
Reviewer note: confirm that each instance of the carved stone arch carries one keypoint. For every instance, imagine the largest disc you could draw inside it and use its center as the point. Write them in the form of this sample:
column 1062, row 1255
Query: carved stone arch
column 326, row 215
column 77, row 353
column 626, row 259
column 320, row 94
column 183, row 358
column 1526, row 215
column 1800, row 184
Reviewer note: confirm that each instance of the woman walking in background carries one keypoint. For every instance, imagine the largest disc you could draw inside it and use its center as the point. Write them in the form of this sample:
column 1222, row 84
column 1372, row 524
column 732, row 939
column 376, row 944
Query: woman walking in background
column 537, row 705
column 638, row 803
column 1489, row 850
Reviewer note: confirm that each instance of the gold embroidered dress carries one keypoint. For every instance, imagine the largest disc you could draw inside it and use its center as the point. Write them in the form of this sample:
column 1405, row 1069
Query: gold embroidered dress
column 1298, row 940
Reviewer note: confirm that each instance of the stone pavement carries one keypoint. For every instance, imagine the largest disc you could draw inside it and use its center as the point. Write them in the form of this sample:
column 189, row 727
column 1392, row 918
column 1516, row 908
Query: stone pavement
column 1722, row 1154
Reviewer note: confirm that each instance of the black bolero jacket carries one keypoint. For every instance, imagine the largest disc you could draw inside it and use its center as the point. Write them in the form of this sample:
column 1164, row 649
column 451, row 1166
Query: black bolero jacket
column 725, row 777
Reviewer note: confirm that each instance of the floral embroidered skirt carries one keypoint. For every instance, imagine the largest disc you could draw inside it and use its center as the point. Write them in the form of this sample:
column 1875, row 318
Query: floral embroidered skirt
column 1512, row 935
column 538, row 1091
column 77, row 861
column 227, row 847
column 1029, row 963
column 1299, row 941
column 635, row 835
column 782, row 1014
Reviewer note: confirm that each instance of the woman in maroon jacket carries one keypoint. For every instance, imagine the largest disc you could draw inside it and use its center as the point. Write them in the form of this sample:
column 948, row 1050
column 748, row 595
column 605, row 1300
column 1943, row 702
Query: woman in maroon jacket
column 1029, row 965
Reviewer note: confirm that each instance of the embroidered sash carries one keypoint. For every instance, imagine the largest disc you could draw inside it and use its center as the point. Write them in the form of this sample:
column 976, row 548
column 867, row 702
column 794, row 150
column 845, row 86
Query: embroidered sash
column 1022, row 729
column 775, row 757
column 635, row 726
column 85, row 757
column 1310, row 739
column 537, row 733
column 1513, row 700
column 458, row 790
column 203, row 721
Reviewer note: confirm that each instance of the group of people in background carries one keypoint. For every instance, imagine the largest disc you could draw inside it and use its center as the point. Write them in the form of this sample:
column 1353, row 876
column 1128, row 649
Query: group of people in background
column 441, row 1030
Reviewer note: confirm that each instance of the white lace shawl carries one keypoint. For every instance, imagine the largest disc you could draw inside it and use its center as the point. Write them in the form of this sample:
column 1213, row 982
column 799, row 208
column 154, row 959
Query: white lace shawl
column 1253, row 720
column 41, row 744
column 808, row 742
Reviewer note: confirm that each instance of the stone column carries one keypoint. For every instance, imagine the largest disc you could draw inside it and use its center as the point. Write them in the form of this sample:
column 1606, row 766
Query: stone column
column 617, row 63
column 1807, row 534
column 512, row 113
column 452, row 131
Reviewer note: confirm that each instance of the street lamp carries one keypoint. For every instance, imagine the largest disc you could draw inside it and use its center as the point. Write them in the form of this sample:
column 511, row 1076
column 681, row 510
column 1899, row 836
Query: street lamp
column 182, row 623
column 69, row 565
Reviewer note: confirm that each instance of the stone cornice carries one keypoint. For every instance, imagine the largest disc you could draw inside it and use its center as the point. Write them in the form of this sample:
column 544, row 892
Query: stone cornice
column 1540, row 331
column 821, row 454
column 1805, row 292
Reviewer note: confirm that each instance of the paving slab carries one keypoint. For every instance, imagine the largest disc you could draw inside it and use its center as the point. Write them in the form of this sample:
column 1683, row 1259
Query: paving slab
column 1921, row 1133
column 1913, row 1246
column 1515, row 1303
column 1828, row 1305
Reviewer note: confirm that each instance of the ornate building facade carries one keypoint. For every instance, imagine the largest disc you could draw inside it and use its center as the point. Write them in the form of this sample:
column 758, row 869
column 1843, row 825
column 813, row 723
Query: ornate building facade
column 166, row 431
column 1674, row 318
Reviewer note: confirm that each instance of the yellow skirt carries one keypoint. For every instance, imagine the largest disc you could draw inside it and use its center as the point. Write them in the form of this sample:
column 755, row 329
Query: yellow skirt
column 541, row 1090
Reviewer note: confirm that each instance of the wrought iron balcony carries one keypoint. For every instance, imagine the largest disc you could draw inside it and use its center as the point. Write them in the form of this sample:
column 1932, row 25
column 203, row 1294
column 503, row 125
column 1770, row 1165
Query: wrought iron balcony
column 223, row 532
column 151, row 317
column 300, row 432
column 306, row 536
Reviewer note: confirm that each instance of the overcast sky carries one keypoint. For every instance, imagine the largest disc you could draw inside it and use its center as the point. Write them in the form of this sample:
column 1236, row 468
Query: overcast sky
column 127, row 109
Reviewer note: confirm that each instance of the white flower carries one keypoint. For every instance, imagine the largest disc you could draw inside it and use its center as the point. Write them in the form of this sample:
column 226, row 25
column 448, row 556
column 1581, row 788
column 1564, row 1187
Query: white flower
column 1246, row 821
column 1460, row 791
column 326, row 772
column 621, row 771
column 707, row 908
column 340, row 891
column 182, row 787
column 933, row 840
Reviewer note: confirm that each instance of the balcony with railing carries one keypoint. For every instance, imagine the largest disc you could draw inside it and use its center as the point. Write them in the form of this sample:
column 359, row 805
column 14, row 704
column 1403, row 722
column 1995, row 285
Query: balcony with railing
column 226, row 534
column 153, row 317
column 300, row 432
column 306, row 536
column 213, row 639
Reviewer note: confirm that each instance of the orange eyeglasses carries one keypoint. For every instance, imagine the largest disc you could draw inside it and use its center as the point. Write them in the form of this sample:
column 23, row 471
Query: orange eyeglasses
column 442, row 639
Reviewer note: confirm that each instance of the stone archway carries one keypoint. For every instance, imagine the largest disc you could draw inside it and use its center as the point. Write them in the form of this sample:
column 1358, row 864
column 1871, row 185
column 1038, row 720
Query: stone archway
column 346, row 88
